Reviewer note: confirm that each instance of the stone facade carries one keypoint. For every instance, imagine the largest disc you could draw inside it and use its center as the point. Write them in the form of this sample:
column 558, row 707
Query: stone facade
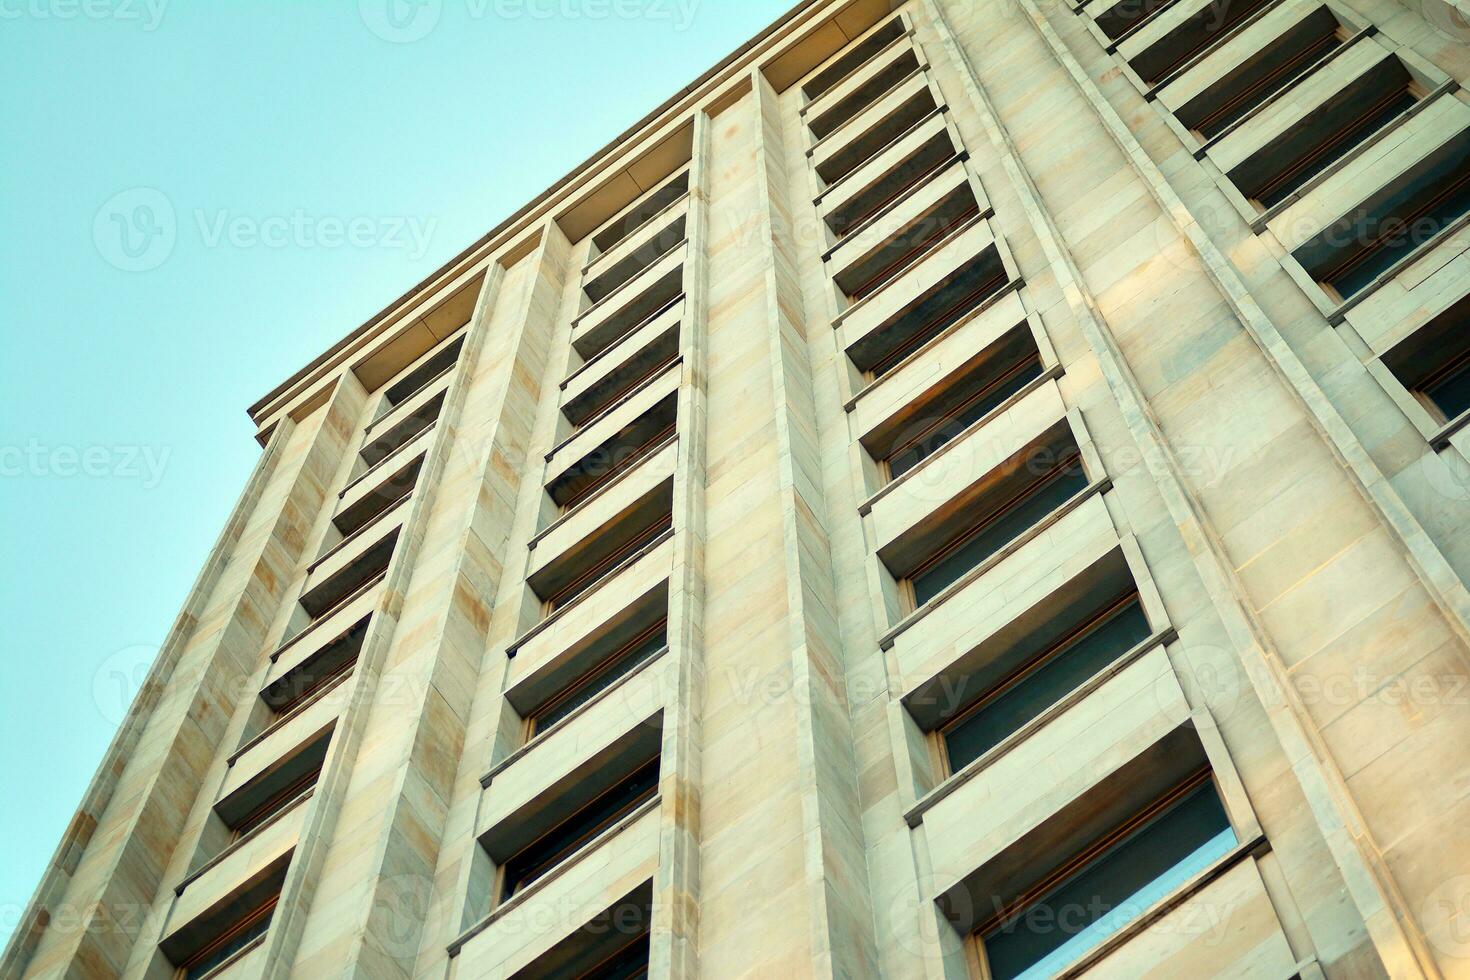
column 630, row 588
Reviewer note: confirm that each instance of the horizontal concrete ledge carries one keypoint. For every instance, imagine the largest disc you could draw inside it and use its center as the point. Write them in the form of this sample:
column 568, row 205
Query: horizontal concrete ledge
column 1258, row 224
column 629, row 468
column 983, row 217
column 271, row 821
column 939, row 110
column 610, row 348
column 360, row 533
column 1276, row 97
column 287, row 718
column 386, row 460
column 914, row 816
column 1050, row 374
column 906, row 35
column 367, row 430
column 1441, row 439
column 577, row 712
column 886, row 641
column 921, row 350
column 556, row 871
column 561, row 611
column 1339, row 315
column 961, row 156
column 367, row 586
column 1255, row 846
column 619, row 403
column 611, row 298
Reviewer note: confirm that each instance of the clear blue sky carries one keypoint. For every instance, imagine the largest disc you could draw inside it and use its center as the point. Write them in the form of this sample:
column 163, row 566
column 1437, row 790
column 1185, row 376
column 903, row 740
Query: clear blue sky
column 198, row 198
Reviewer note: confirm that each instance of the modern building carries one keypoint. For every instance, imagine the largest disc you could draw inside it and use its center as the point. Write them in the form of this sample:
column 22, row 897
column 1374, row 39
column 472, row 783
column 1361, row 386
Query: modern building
column 964, row 489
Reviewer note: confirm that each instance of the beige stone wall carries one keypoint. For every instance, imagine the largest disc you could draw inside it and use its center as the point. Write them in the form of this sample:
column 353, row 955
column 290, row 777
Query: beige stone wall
column 1296, row 526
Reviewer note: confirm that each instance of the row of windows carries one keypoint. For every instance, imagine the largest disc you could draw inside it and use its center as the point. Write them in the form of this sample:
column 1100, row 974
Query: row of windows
column 324, row 640
column 1171, row 837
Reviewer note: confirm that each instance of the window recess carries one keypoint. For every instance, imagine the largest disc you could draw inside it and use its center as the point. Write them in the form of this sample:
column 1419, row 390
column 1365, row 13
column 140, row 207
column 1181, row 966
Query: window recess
column 429, row 369
column 229, row 929
column 380, row 445
column 897, row 242
column 258, row 801
column 869, row 190
column 622, row 662
column 899, row 66
column 606, row 549
column 853, row 58
column 888, row 121
column 929, row 422
column 1028, row 686
column 1366, row 105
column 1114, row 880
column 1192, row 38
column 614, row 945
column 1125, row 15
column 318, row 672
column 618, row 453
column 949, row 300
column 641, row 212
column 321, row 597
column 566, row 838
column 606, row 281
column 1354, row 251
column 1266, row 72
column 652, row 355
column 1433, row 363
column 979, row 522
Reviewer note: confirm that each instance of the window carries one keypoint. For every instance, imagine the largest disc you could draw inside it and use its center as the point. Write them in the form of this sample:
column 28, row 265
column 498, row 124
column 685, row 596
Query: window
column 369, row 565
column 650, row 359
column 607, row 282
column 884, row 131
column 620, row 664
column 853, row 58
column 905, row 244
column 1125, row 15
column 947, row 302
column 626, row 964
column 379, row 446
column 600, row 566
column 249, row 928
column 1270, row 70
column 1433, row 363
column 1352, row 252
column 1043, row 681
column 1193, row 37
column 612, row 945
column 969, row 401
column 1102, row 890
column 618, row 453
column 429, row 369
column 919, row 154
column 641, row 212
column 870, row 91
column 253, row 805
column 1335, row 129
column 574, row 833
column 1038, row 496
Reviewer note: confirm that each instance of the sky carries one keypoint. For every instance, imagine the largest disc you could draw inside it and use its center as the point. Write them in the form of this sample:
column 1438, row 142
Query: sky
column 197, row 199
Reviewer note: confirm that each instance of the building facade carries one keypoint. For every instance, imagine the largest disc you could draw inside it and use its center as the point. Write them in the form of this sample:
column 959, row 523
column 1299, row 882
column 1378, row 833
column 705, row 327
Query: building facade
column 965, row 489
